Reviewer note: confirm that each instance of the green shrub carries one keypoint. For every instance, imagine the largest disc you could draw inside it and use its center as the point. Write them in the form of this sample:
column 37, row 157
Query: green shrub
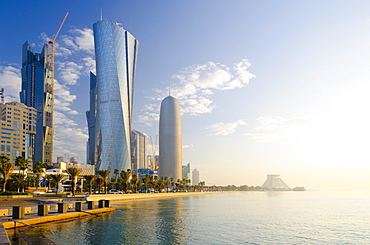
column 9, row 193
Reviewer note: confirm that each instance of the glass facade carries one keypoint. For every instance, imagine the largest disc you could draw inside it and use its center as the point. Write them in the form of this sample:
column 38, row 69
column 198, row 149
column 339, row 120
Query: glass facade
column 116, row 54
column 37, row 92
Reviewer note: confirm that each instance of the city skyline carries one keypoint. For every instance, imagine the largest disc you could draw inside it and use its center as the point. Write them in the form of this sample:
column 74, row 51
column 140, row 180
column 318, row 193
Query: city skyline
column 269, row 88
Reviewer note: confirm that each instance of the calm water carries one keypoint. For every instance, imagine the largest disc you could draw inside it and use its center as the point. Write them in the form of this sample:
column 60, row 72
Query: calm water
column 223, row 218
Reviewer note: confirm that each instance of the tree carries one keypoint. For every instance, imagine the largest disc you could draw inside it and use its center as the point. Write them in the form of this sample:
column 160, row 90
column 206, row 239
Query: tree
column 135, row 182
column 6, row 168
column 74, row 173
column 155, row 182
column 105, row 176
column 126, row 178
column 116, row 173
column 16, row 180
column 38, row 169
column 58, row 178
column 22, row 163
column 90, row 179
column 146, row 181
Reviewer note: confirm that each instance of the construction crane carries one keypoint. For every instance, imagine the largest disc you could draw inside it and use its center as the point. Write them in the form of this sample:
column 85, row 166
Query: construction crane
column 2, row 95
column 52, row 43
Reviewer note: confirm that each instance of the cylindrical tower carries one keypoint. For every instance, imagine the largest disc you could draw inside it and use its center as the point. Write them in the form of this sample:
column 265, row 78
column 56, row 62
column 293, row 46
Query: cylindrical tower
column 170, row 139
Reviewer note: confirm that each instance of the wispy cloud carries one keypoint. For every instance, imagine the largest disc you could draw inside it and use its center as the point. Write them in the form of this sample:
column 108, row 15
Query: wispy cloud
column 194, row 85
column 187, row 146
column 223, row 129
column 273, row 128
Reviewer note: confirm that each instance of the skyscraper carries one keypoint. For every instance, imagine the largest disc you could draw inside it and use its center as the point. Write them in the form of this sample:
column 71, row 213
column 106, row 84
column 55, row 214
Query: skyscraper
column 138, row 151
column 37, row 92
column 170, row 139
column 195, row 177
column 116, row 54
column 186, row 171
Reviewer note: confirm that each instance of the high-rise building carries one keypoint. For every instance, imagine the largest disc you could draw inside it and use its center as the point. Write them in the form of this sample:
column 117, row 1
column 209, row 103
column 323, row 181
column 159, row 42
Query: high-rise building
column 37, row 92
column 138, row 151
column 111, row 97
column 91, row 120
column 195, row 176
column 18, row 127
column 170, row 139
column 186, row 171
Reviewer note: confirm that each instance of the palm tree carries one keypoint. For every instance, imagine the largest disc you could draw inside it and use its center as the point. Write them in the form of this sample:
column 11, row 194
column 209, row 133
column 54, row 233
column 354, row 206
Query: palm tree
column 16, row 179
column 135, row 182
column 6, row 168
column 126, row 178
column 74, row 173
column 155, row 182
column 58, row 178
column 105, row 176
column 99, row 182
column 22, row 163
column 38, row 169
column 146, row 181
column 90, row 179
column 116, row 173
column 49, row 179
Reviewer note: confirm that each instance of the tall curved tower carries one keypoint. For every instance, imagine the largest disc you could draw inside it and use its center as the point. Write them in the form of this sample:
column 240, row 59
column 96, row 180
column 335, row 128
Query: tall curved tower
column 170, row 139
column 116, row 54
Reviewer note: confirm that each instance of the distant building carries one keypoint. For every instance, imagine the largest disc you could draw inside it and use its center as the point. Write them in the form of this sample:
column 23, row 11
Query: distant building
column 60, row 159
column 186, row 171
column 274, row 182
column 73, row 160
column 37, row 92
column 195, row 177
column 138, row 151
column 18, row 127
column 170, row 139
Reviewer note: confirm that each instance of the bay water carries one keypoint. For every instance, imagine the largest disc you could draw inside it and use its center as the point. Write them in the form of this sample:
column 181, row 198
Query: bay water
column 310, row 217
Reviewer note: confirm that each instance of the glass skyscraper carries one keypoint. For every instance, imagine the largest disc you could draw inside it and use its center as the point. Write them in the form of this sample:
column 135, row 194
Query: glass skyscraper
column 37, row 92
column 116, row 54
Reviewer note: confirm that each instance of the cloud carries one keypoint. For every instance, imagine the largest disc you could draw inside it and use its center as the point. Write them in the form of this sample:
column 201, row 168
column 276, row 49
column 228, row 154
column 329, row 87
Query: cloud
column 69, row 72
column 187, row 146
column 273, row 128
column 11, row 82
column 194, row 85
column 79, row 40
column 223, row 129
column 63, row 99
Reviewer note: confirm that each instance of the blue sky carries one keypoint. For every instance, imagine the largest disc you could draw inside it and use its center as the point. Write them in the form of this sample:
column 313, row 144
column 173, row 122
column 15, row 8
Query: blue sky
column 265, row 87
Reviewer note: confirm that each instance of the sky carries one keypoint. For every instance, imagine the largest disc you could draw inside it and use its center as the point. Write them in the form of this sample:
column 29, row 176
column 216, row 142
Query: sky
column 265, row 87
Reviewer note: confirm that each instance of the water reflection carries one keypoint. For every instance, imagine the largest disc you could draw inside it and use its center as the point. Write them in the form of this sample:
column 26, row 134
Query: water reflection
column 134, row 222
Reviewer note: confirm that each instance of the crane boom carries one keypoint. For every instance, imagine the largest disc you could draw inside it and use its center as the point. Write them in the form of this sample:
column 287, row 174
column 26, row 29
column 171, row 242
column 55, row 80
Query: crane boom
column 60, row 27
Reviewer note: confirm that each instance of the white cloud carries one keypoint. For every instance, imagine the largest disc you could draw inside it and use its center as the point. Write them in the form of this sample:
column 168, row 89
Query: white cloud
column 187, row 146
column 223, row 129
column 10, row 79
column 79, row 40
column 69, row 72
column 194, row 85
column 63, row 98
column 273, row 128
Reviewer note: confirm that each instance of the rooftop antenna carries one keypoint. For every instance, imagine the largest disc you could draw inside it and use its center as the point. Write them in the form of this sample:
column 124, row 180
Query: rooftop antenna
column 101, row 14
column 169, row 90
